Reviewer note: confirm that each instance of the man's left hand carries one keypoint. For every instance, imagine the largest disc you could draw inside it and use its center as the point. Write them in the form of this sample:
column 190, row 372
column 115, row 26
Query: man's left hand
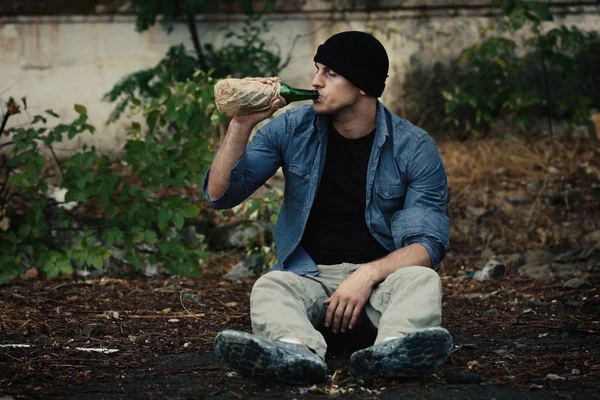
column 346, row 303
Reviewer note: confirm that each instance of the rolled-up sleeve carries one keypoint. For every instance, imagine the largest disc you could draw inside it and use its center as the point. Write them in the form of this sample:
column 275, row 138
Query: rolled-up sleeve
column 260, row 161
column 423, row 219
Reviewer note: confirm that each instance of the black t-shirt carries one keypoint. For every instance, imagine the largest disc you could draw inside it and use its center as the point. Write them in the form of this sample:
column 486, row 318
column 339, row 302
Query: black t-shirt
column 336, row 230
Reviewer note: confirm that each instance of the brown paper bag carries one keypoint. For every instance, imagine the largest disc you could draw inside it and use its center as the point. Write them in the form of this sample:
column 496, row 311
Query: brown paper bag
column 240, row 96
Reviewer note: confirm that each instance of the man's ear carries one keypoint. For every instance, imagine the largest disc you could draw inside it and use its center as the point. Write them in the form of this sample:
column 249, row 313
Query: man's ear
column 362, row 92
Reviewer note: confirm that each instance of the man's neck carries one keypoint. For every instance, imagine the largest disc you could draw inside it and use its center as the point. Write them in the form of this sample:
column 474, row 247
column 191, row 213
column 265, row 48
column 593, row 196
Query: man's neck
column 357, row 121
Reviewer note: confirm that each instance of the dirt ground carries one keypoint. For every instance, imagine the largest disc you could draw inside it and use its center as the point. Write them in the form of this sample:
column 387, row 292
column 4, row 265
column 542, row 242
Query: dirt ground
column 515, row 337
column 163, row 331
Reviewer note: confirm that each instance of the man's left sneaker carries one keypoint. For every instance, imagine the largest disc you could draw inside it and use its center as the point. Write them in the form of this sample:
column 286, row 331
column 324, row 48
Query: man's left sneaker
column 418, row 353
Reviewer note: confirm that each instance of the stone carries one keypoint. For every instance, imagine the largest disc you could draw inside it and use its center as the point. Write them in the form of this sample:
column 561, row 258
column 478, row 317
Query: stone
column 475, row 212
column 514, row 261
column 518, row 200
column 477, row 296
column 255, row 262
column 493, row 269
column 577, row 284
column 239, row 272
column 252, row 265
column 537, row 302
column 553, row 271
column 233, row 236
column 554, row 377
column 537, row 257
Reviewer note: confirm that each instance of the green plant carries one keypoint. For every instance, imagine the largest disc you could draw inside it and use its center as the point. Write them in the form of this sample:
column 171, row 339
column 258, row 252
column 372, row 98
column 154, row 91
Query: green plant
column 548, row 74
column 245, row 53
column 137, row 204
column 28, row 218
column 262, row 213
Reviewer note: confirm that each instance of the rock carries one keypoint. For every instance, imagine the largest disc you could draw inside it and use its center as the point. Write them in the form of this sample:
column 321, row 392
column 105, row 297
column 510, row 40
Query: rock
column 233, row 236
column 592, row 237
column 538, row 257
column 191, row 238
column 239, row 272
column 477, row 295
column 577, row 284
column 554, row 377
column 493, row 269
column 252, row 265
column 475, row 212
column 572, row 197
column 537, row 302
column 553, row 271
column 521, row 346
column 492, row 311
column 255, row 262
column 463, row 377
column 514, row 261
column 553, row 170
column 518, row 200
column 533, row 386
column 150, row 269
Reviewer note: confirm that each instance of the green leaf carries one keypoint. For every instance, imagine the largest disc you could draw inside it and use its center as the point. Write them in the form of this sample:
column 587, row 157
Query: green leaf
column 24, row 230
column 65, row 267
column 163, row 220
column 81, row 110
column 97, row 262
column 150, row 236
column 189, row 210
column 179, row 220
column 37, row 119
column 50, row 112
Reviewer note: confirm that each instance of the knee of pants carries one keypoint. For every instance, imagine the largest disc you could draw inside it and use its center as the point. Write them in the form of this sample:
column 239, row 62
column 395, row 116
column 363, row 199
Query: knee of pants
column 413, row 273
column 270, row 280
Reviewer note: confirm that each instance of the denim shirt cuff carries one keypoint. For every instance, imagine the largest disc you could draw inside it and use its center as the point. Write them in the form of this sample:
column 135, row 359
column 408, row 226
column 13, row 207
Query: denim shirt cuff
column 235, row 180
column 426, row 227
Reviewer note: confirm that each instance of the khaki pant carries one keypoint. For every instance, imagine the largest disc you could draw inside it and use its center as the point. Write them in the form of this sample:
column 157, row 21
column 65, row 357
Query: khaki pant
column 286, row 305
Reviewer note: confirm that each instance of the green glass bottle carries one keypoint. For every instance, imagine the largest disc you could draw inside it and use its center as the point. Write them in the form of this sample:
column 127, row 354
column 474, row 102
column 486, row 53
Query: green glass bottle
column 291, row 94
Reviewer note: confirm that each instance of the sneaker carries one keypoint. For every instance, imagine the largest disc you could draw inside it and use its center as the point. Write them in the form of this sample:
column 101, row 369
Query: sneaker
column 269, row 359
column 416, row 354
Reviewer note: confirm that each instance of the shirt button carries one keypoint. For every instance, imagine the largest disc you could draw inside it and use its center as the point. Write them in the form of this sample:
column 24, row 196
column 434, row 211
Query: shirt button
column 315, row 176
column 386, row 194
column 308, row 176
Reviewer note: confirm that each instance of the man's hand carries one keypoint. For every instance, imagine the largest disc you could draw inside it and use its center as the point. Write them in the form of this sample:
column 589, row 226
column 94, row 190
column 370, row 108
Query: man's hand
column 346, row 303
column 252, row 119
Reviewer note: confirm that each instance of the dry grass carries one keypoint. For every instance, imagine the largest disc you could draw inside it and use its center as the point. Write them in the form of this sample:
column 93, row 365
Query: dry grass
column 513, row 195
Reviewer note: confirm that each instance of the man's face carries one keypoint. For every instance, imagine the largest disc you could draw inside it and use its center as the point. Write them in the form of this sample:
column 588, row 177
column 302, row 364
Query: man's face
column 336, row 92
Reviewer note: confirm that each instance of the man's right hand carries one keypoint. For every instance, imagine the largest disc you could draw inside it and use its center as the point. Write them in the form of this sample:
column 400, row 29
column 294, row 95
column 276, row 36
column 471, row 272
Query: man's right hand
column 250, row 120
column 234, row 144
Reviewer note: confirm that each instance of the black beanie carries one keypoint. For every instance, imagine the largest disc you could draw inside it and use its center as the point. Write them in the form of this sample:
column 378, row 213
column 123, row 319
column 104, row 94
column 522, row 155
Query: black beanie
column 358, row 57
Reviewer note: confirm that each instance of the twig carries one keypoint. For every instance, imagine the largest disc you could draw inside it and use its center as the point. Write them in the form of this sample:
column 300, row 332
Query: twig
column 4, row 121
column 184, row 307
column 56, row 160
column 534, row 203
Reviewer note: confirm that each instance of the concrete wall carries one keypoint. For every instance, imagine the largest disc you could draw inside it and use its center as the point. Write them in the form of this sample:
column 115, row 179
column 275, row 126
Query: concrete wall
column 57, row 61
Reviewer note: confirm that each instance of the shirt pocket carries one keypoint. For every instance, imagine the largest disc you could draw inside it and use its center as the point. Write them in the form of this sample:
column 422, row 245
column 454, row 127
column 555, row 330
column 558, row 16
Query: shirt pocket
column 390, row 198
column 297, row 181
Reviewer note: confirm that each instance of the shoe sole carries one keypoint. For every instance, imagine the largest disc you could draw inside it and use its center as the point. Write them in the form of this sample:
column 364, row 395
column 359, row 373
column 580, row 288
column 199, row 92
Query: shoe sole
column 417, row 354
column 257, row 358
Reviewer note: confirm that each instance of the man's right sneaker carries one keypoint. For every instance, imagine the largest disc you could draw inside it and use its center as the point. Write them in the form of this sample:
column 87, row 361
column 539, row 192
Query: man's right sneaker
column 269, row 359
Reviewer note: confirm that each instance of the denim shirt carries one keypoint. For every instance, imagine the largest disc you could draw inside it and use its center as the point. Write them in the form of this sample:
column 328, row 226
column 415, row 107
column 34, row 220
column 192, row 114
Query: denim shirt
column 406, row 191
